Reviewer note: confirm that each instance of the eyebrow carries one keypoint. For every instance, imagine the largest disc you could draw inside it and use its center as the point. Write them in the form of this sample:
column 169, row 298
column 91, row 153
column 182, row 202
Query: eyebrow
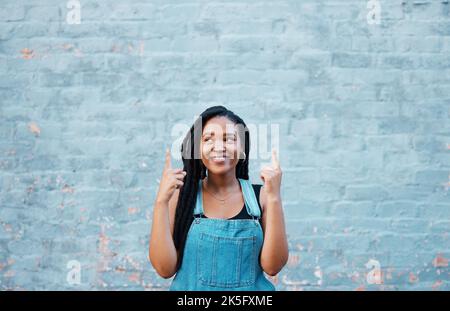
column 212, row 133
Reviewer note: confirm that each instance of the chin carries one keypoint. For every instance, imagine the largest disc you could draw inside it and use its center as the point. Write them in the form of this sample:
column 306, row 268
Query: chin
column 220, row 171
column 214, row 169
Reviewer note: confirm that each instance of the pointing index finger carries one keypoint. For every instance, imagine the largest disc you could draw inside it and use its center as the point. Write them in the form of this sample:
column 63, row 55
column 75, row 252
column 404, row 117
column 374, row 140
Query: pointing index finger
column 168, row 160
column 275, row 162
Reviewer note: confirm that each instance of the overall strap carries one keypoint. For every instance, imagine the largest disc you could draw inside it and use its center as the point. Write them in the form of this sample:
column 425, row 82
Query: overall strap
column 250, row 199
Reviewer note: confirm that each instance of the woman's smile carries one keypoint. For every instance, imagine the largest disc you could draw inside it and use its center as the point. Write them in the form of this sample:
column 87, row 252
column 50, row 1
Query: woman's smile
column 218, row 159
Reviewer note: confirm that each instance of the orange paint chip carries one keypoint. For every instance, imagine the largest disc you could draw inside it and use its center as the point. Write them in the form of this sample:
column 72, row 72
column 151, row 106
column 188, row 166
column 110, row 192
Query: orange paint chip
column 134, row 277
column 67, row 46
column 436, row 285
column 27, row 53
column 67, row 189
column 34, row 128
column 413, row 278
column 104, row 251
column 440, row 261
column 132, row 210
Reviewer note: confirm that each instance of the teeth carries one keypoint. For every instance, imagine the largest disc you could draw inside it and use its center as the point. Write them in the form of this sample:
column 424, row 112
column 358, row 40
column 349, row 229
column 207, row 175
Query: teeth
column 218, row 159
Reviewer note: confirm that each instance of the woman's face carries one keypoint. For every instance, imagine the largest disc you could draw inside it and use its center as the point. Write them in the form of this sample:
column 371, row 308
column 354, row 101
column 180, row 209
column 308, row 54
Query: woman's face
column 220, row 145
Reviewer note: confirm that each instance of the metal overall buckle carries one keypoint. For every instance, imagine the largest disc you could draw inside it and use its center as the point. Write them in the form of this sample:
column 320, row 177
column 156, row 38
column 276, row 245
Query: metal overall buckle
column 197, row 219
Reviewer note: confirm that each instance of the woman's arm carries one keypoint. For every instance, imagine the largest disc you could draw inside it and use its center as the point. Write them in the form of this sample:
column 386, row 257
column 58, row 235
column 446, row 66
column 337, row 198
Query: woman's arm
column 162, row 252
column 275, row 252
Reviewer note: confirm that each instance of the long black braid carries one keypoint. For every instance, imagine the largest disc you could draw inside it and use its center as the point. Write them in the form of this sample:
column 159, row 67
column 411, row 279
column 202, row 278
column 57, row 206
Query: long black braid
column 196, row 170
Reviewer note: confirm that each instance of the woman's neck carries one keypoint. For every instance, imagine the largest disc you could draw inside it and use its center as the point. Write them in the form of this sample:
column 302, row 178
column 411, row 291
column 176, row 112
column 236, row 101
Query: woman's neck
column 222, row 184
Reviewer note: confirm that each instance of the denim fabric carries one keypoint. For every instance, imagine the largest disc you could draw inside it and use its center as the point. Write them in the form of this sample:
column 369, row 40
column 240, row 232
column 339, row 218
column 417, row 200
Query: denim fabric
column 222, row 254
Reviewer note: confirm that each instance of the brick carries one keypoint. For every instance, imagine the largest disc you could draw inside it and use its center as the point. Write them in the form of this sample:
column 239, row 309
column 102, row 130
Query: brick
column 372, row 193
column 351, row 60
column 12, row 13
column 431, row 176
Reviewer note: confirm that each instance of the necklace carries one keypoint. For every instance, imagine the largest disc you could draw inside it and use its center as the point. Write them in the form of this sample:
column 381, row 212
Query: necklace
column 222, row 201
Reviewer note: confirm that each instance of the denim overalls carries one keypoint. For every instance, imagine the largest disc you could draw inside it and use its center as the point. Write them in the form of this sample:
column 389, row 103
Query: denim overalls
column 223, row 254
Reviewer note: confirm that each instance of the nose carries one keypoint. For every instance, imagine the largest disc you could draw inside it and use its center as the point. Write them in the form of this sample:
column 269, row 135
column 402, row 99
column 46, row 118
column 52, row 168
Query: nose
column 219, row 146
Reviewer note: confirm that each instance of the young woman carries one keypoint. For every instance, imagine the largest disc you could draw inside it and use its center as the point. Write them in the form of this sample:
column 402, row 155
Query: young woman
column 211, row 226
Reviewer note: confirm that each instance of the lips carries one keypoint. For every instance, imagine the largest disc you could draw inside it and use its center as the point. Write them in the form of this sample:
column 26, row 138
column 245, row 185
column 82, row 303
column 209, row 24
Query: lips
column 218, row 159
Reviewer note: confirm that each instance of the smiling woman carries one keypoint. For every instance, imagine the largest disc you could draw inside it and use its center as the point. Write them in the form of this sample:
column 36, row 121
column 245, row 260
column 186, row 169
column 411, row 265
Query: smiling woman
column 198, row 232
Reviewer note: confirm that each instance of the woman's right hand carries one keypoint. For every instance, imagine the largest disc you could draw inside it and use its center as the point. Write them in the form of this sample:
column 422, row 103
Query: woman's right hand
column 171, row 180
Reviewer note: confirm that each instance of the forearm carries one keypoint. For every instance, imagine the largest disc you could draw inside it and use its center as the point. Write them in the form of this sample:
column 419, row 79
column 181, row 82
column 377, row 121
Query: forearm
column 274, row 254
column 163, row 254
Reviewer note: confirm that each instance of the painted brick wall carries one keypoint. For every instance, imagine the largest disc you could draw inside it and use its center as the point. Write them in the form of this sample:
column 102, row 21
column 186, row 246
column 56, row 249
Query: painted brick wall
column 360, row 92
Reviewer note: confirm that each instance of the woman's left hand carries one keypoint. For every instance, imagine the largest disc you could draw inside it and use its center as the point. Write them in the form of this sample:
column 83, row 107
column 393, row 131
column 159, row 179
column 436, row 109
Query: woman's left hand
column 271, row 176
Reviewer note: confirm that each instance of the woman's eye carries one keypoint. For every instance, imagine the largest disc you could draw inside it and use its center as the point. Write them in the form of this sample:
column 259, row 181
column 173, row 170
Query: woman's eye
column 228, row 139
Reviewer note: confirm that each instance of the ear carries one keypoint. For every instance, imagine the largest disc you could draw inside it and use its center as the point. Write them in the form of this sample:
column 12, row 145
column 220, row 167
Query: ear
column 242, row 155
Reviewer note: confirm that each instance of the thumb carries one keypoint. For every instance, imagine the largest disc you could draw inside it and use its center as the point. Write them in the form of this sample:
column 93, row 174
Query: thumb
column 262, row 175
column 167, row 164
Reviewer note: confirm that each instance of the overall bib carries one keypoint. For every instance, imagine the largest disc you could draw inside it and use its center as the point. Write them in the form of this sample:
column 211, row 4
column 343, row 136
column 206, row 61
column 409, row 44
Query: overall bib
column 222, row 254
